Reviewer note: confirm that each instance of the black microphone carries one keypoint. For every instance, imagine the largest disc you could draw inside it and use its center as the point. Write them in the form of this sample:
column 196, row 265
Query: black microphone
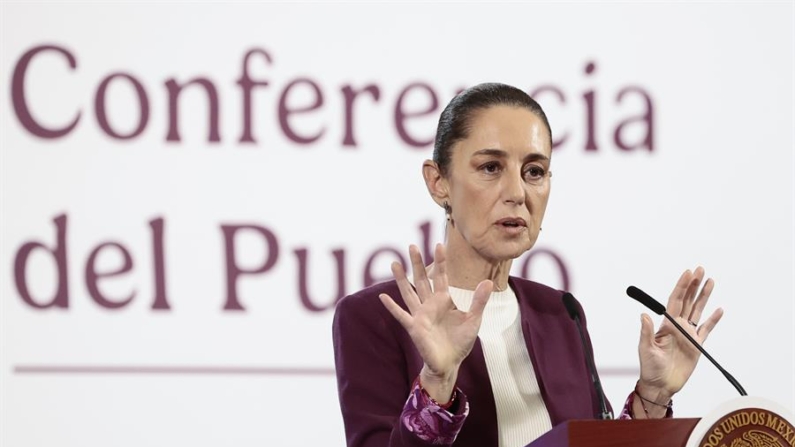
column 659, row 309
column 571, row 307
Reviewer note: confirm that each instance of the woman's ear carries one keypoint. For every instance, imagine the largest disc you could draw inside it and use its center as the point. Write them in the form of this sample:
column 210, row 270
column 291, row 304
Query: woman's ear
column 435, row 182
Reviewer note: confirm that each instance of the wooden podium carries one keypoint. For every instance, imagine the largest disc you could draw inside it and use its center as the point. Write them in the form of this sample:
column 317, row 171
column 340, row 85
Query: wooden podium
column 634, row 433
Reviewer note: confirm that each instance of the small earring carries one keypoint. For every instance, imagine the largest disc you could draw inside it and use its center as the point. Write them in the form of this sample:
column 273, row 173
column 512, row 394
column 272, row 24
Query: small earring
column 448, row 212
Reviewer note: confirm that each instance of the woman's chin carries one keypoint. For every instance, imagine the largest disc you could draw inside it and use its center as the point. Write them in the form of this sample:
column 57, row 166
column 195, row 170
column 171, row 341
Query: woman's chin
column 506, row 252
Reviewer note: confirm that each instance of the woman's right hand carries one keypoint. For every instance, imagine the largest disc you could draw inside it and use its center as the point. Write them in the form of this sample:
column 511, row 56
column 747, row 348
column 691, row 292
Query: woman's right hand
column 443, row 334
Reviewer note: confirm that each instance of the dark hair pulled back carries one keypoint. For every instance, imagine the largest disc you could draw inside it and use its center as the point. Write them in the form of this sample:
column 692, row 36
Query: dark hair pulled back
column 455, row 120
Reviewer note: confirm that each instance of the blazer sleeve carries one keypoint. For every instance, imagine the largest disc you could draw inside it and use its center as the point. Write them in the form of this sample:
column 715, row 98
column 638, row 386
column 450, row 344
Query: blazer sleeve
column 374, row 374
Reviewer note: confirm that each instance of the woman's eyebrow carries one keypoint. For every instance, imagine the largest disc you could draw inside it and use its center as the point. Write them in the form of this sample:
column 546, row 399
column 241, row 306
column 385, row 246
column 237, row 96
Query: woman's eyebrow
column 493, row 152
column 536, row 157
column 499, row 153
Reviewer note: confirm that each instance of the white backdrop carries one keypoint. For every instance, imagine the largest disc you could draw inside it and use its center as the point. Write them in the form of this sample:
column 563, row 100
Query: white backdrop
column 709, row 182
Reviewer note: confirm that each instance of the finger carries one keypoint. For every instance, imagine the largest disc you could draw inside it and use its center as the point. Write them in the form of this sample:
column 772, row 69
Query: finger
column 701, row 301
column 677, row 296
column 440, row 270
column 481, row 297
column 420, row 277
column 646, row 331
column 406, row 291
column 400, row 315
column 705, row 329
column 692, row 290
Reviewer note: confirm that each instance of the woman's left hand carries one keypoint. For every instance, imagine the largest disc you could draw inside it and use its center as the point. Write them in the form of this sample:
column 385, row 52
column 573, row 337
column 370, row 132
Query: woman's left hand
column 667, row 358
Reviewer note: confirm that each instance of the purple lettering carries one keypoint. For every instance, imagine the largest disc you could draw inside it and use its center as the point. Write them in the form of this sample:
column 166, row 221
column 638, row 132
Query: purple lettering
column 61, row 298
column 350, row 95
column 401, row 115
column 285, row 112
column 303, row 289
column 159, row 262
column 92, row 276
column 646, row 118
column 233, row 271
column 18, row 94
column 143, row 107
column 590, row 114
column 174, row 91
column 247, row 84
column 369, row 279
column 562, row 98
column 565, row 282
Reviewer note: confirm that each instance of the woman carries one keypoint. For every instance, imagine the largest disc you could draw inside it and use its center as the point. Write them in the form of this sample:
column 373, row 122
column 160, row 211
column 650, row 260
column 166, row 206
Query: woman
column 464, row 354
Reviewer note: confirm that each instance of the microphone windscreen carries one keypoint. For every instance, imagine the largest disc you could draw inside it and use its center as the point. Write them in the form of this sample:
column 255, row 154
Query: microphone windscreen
column 568, row 301
column 646, row 300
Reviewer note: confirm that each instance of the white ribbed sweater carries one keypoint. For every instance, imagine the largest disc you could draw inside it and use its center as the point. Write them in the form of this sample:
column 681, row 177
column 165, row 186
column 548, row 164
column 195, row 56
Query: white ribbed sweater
column 521, row 413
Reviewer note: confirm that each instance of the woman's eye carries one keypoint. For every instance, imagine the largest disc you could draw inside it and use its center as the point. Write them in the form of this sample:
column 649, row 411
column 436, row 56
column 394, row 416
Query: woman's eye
column 491, row 168
column 534, row 173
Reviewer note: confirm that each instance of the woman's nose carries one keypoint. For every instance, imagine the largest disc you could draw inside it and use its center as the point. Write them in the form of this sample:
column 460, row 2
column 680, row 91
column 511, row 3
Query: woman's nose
column 514, row 189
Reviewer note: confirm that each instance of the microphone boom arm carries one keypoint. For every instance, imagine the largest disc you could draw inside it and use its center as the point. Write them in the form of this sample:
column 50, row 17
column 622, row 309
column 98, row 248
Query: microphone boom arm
column 726, row 374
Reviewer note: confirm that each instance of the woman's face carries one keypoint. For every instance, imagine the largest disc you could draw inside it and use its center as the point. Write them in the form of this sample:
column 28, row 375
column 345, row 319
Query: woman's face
column 498, row 182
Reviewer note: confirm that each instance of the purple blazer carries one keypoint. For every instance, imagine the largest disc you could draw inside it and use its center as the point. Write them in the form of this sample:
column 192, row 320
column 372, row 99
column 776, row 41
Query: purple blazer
column 377, row 363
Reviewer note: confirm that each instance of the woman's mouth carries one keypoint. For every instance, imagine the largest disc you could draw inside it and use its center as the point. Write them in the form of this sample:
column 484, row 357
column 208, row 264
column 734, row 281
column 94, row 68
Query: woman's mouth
column 512, row 225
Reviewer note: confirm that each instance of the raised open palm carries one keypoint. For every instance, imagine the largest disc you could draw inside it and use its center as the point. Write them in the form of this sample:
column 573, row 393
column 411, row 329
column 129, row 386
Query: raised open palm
column 667, row 359
column 443, row 334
